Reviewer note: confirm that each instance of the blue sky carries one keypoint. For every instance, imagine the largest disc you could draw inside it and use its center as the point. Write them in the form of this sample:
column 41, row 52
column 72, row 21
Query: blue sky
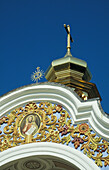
column 32, row 34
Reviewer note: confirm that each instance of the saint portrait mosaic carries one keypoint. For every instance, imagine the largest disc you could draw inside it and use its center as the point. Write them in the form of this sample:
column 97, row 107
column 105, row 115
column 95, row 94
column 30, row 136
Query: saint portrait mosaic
column 30, row 125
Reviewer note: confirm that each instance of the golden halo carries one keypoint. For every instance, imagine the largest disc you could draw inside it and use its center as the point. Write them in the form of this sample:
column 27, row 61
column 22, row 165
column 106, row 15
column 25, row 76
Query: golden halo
column 37, row 75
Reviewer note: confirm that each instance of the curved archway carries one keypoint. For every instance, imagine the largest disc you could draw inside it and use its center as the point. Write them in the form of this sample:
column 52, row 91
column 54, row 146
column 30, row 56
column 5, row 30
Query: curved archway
column 72, row 156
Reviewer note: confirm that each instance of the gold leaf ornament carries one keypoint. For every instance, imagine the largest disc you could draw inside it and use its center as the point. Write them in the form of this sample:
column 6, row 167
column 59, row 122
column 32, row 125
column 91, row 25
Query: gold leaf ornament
column 98, row 162
column 55, row 125
column 37, row 75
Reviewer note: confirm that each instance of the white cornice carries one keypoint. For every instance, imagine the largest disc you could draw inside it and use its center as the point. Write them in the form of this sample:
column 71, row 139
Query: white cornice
column 51, row 149
column 55, row 93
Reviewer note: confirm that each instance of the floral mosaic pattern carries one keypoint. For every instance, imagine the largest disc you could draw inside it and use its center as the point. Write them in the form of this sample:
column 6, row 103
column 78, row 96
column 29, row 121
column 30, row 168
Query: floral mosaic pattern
column 56, row 126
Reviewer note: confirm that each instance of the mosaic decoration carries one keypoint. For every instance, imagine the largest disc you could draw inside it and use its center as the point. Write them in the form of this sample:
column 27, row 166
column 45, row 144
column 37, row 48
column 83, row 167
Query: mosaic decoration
column 46, row 122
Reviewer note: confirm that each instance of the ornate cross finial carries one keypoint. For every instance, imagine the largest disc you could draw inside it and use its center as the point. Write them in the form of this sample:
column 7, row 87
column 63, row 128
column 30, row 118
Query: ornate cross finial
column 69, row 38
column 37, row 75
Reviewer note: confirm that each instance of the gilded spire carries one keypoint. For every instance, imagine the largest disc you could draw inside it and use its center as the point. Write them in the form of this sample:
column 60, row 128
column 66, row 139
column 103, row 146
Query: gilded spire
column 69, row 38
column 72, row 72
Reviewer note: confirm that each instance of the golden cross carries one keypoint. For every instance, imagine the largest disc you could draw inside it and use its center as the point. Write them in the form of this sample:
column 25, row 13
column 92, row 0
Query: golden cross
column 69, row 38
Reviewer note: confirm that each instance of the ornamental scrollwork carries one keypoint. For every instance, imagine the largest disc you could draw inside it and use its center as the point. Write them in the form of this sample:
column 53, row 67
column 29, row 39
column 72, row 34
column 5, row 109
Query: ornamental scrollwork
column 47, row 122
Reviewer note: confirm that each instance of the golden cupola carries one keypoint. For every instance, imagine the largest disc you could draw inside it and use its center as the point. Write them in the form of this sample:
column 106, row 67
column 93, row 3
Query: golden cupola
column 72, row 72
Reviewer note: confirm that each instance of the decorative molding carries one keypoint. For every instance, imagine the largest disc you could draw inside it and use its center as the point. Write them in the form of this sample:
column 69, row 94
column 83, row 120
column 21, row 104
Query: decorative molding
column 80, row 111
column 51, row 149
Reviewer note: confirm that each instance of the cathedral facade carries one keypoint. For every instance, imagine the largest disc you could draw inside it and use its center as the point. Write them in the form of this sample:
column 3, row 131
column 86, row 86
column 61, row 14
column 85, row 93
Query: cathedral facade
column 55, row 125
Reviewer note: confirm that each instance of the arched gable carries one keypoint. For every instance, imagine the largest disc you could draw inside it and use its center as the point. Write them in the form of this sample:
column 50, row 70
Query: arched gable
column 63, row 118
